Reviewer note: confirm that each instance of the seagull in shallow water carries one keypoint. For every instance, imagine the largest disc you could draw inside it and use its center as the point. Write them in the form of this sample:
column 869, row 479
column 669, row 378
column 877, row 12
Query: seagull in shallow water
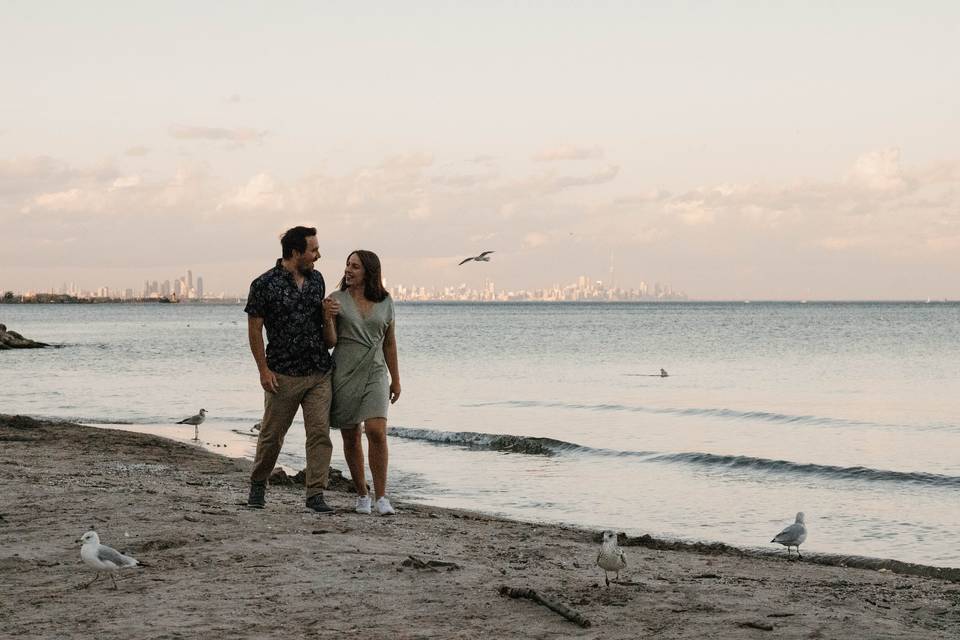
column 196, row 421
column 793, row 535
column 103, row 558
column 483, row 257
column 611, row 557
column 663, row 373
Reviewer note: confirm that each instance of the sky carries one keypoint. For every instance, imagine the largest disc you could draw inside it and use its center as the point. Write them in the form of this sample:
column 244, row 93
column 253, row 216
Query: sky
column 730, row 149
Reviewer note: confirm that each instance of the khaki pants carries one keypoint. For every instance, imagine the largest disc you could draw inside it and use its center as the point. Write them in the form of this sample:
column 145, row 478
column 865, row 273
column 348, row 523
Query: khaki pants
column 313, row 393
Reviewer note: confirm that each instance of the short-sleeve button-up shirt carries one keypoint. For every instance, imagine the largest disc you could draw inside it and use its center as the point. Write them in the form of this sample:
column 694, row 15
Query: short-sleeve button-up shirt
column 293, row 318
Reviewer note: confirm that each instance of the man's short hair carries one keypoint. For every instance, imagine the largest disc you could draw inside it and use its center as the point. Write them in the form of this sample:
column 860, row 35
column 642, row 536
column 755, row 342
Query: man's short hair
column 295, row 239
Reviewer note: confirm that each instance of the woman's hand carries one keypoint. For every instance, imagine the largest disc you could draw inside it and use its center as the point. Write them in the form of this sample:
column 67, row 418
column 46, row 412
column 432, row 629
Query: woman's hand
column 331, row 308
column 394, row 391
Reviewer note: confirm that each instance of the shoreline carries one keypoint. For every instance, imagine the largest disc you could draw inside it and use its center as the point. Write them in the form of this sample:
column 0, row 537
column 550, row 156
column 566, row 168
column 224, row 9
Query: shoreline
column 220, row 568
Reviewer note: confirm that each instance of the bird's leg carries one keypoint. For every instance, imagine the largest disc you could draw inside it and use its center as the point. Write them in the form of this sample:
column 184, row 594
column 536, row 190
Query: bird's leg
column 799, row 557
column 607, row 578
column 95, row 578
column 196, row 432
column 112, row 577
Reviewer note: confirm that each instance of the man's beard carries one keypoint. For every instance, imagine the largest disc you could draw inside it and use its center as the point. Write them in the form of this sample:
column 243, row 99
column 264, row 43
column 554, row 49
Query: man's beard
column 305, row 269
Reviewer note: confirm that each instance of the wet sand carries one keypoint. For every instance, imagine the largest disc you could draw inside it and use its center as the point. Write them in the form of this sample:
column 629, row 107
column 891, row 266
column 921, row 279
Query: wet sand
column 219, row 569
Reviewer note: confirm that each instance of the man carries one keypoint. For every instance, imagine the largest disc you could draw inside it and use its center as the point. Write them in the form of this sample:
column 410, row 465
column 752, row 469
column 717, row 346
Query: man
column 295, row 367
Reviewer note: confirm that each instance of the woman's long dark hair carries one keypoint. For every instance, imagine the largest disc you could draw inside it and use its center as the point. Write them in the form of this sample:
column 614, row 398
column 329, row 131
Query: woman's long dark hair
column 372, row 283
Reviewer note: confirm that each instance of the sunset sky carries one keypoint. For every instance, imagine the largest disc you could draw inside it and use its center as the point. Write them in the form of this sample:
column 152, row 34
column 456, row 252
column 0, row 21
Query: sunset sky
column 730, row 149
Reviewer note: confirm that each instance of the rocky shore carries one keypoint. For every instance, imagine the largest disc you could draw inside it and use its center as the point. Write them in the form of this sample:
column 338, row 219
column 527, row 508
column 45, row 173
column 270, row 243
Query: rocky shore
column 220, row 570
column 13, row 340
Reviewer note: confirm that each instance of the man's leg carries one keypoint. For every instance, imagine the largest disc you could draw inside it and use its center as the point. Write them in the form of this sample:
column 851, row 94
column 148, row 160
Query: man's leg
column 316, row 421
column 279, row 410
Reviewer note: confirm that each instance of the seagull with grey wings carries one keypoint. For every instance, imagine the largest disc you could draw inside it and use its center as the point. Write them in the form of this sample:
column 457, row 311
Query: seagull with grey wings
column 483, row 257
column 611, row 556
column 104, row 558
column 793, row 535
column 196, row 421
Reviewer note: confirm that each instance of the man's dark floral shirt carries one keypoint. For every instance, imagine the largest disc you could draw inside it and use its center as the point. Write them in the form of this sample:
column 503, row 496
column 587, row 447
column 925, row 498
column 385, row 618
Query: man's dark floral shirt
column 294, row 321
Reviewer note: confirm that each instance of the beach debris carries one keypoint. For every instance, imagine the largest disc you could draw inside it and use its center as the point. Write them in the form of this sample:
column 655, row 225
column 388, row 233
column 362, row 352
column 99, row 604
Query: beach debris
column 483, row 257
column 570, row 614
column 793, row 535
column 763, row 626
column 663, row 373
column 196, row 421
column 611, row 556
column 429, row 565
column 104, row 558
column 13, row 340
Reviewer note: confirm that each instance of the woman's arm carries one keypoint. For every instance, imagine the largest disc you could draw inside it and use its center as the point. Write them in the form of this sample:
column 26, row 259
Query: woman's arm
column 390, row 355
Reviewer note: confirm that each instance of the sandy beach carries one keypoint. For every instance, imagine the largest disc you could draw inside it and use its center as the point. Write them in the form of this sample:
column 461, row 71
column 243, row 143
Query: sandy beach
column 219, row 569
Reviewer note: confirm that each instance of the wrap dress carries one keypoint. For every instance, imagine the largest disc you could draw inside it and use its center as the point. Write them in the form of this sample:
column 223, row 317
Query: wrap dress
column 361, row 385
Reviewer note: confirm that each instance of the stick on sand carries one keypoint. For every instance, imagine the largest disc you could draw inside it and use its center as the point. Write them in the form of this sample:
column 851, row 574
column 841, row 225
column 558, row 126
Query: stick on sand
column 530, row 594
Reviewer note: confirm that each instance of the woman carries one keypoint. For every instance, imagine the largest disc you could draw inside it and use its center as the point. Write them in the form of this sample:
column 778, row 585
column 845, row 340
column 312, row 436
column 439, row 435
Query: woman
column 359, row 323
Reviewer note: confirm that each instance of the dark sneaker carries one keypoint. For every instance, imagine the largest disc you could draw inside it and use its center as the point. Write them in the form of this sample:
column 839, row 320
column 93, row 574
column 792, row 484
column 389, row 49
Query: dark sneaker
column 257, row 497
column 318, row 504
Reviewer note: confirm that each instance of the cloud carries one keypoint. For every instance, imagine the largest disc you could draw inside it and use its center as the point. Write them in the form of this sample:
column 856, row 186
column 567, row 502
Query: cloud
column 535, row 239
column 239, row 136
column 878, row 170
column 261, row 193
column 407, row 161
column 599, row 177
column 568, row 152
column 137, row 151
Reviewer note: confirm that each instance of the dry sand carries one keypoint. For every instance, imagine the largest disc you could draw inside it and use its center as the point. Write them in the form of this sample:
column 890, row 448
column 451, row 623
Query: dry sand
column 220, row 570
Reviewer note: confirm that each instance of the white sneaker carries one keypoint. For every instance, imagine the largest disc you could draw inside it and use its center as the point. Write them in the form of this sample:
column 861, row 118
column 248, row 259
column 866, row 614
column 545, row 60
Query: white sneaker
column 363, row 504
column 384, row 507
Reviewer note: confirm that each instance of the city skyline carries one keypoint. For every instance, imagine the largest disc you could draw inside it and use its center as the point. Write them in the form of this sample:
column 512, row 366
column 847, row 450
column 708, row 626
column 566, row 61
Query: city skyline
column 654, row 133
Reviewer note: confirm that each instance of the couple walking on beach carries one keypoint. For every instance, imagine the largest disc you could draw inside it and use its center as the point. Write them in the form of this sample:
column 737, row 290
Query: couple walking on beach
column 349, row 390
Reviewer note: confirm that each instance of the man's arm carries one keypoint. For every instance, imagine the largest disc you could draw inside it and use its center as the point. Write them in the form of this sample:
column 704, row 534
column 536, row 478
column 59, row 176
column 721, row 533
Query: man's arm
column 268, row 380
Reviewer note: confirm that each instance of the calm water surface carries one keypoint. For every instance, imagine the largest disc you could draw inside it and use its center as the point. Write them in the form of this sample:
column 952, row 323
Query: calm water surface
column 846, row 411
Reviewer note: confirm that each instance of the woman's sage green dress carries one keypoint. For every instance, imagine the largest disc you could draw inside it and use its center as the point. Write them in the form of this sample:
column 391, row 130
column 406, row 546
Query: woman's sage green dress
column 361, row 386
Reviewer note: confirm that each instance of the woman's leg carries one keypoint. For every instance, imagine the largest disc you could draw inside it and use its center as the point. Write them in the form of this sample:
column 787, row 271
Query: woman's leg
column 353, row 454
column 376, row 429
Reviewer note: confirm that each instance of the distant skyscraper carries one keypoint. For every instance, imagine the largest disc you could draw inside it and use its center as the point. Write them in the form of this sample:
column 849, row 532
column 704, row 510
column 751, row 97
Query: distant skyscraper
column 189, row 279
column 199, row 287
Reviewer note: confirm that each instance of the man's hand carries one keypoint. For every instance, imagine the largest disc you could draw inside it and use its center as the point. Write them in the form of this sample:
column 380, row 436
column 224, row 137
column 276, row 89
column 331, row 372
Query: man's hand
column 394, row 392
column 331, row 308
column 268, row 380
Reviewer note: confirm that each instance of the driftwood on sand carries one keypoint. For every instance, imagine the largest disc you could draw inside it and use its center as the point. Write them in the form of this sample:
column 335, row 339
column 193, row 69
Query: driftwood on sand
column 568, row 613
column 13, row 340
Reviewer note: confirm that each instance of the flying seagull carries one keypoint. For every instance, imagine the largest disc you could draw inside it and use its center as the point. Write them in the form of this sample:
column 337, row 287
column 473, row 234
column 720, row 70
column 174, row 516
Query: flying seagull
column 103, row 558
column 483, row 257
column 611, row 557
column 793, row 535
column 196, row 421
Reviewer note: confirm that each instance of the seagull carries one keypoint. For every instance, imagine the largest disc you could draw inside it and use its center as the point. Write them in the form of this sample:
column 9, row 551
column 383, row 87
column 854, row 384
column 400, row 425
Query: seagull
column 663, row 373
column 793, row 535
column 104, row 558
column 196, row 421
column 611, row 557
column 256, row 427
column 483, row 257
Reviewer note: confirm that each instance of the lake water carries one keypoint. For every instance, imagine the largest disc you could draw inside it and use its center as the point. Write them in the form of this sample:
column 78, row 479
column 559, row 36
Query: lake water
column 846, row 411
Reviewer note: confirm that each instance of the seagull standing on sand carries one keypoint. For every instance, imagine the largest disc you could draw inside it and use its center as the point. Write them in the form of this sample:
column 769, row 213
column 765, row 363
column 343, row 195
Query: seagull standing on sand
column 483, row 257
column 793, row 535
column 196, row 421
column 611, row 557
column 103, row 558
column 663, row 373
